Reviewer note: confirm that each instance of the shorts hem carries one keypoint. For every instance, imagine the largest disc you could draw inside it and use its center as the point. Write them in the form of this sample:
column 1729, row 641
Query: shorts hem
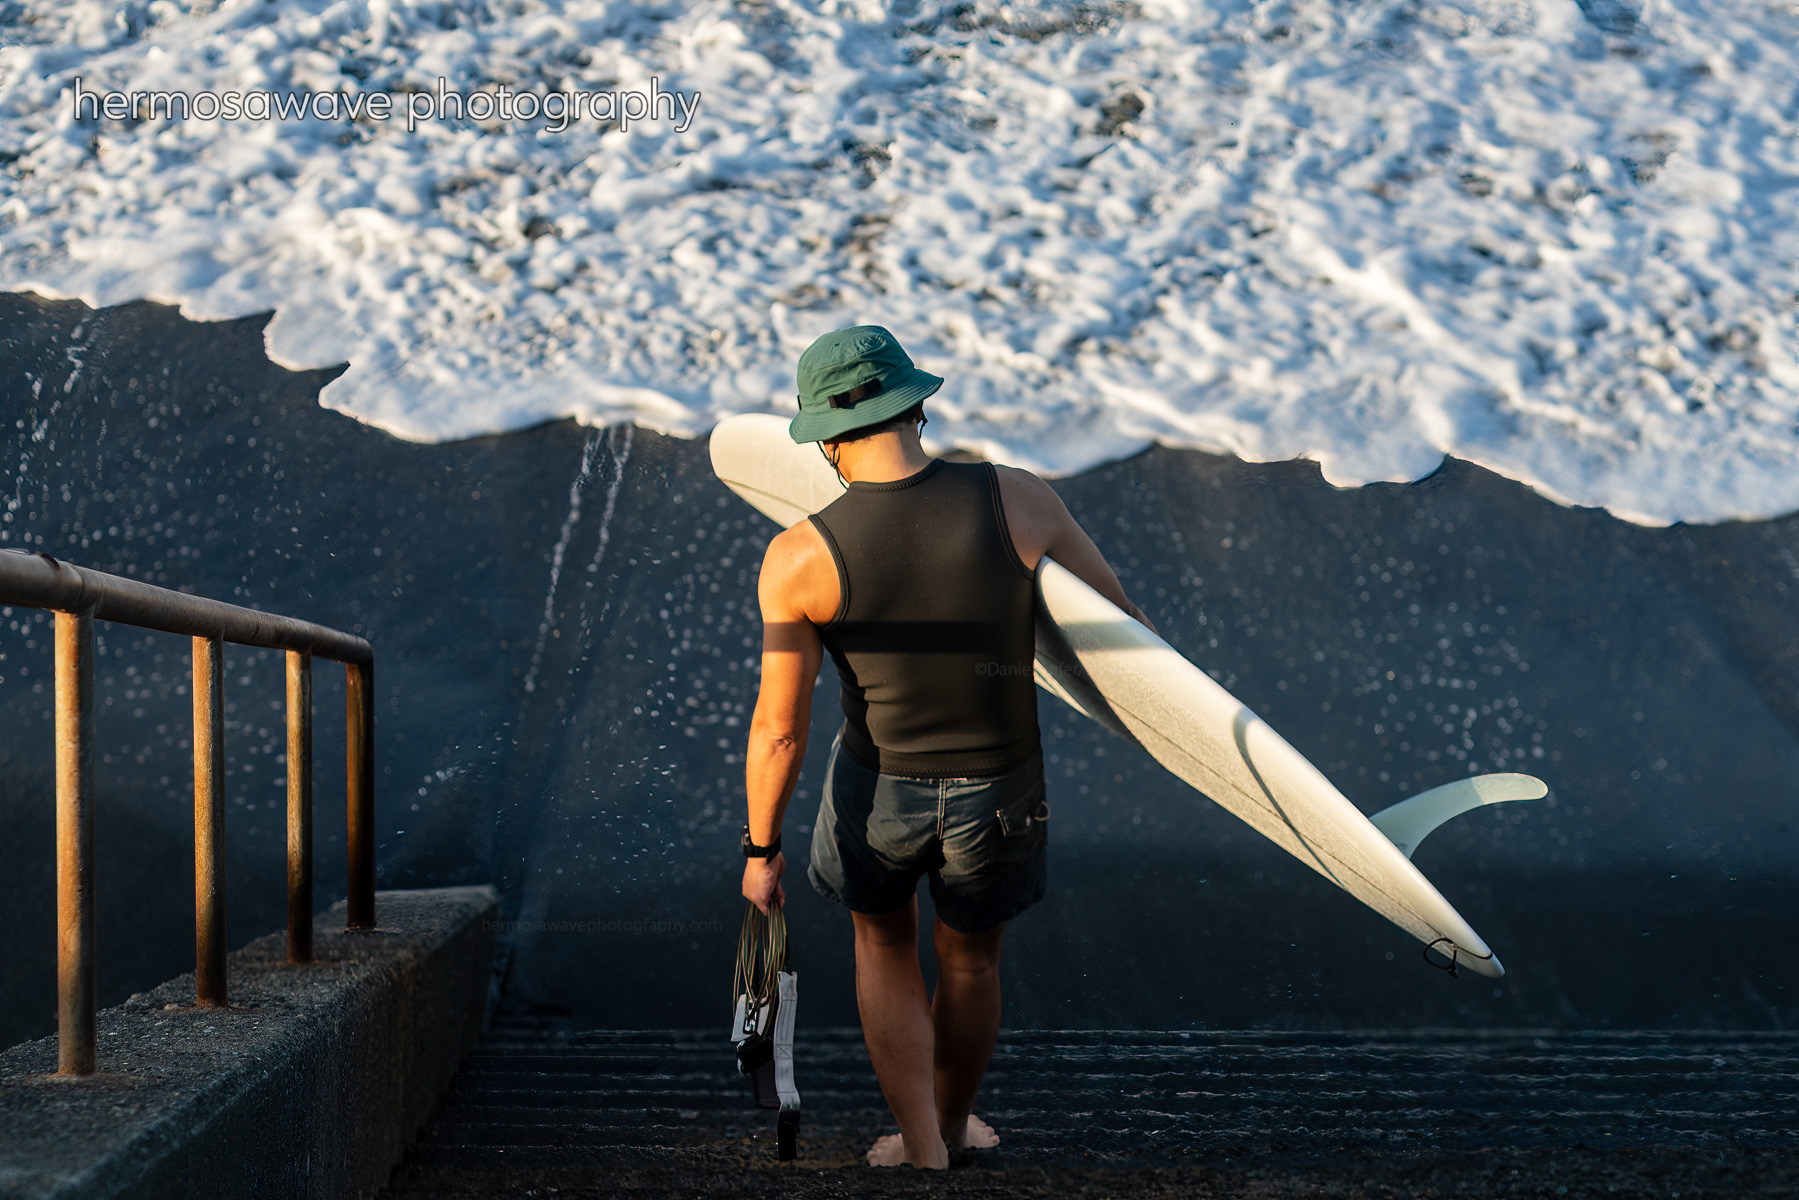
column 825, row 890
column 1013, row 915
column 830, row 893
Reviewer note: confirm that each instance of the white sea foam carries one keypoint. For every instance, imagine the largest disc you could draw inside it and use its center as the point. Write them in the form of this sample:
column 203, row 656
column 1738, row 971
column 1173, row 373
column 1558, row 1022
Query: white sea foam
column 1555, row 239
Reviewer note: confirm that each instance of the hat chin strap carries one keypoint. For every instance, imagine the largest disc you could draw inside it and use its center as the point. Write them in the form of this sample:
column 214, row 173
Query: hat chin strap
column 835, row 469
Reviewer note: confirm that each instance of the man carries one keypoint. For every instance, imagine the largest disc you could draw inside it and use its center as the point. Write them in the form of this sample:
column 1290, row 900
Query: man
column 919, row 581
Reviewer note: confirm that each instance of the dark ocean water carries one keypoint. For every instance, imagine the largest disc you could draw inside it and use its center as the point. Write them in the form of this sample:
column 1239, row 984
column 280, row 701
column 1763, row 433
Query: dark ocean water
column 566, row 639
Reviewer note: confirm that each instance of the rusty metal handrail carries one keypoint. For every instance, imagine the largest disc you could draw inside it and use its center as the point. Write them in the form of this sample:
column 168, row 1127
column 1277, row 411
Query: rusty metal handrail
column 80, row 596
column 40, row 581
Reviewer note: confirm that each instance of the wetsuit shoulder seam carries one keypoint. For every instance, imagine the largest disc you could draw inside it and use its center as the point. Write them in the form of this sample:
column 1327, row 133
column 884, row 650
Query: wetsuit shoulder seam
column 1005, row 530
column 843, row 575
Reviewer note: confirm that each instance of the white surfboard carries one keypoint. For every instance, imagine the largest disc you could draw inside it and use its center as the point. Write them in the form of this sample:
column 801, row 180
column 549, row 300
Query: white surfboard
column 1109, row 667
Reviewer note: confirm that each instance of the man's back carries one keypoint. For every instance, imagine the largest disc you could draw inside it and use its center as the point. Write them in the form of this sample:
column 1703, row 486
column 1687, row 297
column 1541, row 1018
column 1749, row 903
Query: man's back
column 933, row 635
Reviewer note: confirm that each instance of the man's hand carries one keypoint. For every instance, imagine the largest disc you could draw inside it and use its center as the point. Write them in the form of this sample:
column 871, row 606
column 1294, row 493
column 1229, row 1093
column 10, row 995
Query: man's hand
column 1143, row 618
column 762, row 881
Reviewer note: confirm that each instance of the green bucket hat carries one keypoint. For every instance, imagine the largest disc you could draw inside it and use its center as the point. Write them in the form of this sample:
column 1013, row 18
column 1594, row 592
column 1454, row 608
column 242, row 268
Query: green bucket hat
column 855, row 377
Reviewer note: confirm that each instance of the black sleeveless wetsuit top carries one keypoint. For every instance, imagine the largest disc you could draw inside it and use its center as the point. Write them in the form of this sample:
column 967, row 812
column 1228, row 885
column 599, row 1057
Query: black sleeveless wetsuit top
column 933, row 637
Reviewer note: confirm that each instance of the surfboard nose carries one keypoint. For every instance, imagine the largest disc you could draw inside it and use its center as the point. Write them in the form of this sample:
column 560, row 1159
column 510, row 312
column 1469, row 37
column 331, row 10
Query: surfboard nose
column 1449, row 955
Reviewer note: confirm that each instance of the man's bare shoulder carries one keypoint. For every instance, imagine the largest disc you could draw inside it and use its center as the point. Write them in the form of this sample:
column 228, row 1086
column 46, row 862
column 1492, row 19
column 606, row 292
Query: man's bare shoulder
column 1020, row 485
column 799, row 576
column 795, row 548
column 1035, row 515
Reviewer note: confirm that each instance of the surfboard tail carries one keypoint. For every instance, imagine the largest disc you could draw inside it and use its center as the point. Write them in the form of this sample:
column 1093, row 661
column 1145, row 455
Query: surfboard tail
column 1209, row 738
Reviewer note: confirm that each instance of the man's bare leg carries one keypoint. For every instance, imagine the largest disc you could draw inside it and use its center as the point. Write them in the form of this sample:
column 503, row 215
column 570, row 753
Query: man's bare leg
column 965, row 1015
column 896, row 1023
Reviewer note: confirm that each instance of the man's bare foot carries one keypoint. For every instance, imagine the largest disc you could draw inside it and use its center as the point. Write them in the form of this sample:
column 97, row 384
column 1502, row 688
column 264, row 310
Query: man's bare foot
column 977, row 1135
column 889, row 1151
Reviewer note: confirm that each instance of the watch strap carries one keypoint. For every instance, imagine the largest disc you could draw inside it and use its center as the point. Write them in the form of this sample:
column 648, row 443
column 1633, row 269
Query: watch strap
column 752, row 850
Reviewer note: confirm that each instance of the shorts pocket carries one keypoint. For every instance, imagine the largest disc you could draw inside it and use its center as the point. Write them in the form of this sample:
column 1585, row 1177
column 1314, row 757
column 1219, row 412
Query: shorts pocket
column 1018, row 818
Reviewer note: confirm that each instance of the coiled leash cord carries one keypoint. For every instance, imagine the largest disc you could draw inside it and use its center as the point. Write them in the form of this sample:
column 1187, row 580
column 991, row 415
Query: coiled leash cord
column 761, row 955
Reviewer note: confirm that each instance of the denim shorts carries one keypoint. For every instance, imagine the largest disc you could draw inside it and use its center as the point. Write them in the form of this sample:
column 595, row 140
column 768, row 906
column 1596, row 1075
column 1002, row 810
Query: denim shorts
column 983, row 842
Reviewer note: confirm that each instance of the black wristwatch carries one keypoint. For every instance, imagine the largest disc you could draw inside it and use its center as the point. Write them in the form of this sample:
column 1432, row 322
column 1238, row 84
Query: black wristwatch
column 752, row 850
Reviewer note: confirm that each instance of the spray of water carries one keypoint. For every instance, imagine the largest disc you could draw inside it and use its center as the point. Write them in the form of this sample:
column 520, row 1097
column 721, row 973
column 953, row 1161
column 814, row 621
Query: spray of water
column 568, row 529
column 621, row 454
column 40, row 429
column 77, row 356
column 609, row 451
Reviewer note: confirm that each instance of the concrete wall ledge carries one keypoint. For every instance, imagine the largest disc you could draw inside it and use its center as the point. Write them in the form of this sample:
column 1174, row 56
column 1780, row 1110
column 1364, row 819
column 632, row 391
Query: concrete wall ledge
column 311, row 1084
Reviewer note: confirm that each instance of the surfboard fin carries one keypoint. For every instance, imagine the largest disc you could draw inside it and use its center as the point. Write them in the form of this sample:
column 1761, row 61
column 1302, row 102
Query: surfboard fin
column 1409, row 822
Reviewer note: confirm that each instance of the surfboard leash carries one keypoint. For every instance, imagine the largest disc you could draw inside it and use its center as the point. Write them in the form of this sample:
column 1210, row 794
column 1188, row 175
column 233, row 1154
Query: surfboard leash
column 761, row 954
column 766, row 993
column 1450, row 966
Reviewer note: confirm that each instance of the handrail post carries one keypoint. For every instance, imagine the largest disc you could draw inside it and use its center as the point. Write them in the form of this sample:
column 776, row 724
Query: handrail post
column 209, row 821
column 80, row 596
column 75, row 989
column 359, row 755
column 299, row 806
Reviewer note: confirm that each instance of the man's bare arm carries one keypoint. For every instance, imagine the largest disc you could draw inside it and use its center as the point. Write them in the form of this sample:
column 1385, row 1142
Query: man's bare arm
column 1042, row 525
column 791, row 652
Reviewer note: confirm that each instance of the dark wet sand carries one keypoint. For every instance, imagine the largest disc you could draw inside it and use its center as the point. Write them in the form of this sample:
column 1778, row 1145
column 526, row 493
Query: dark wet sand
column 1650, row 676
